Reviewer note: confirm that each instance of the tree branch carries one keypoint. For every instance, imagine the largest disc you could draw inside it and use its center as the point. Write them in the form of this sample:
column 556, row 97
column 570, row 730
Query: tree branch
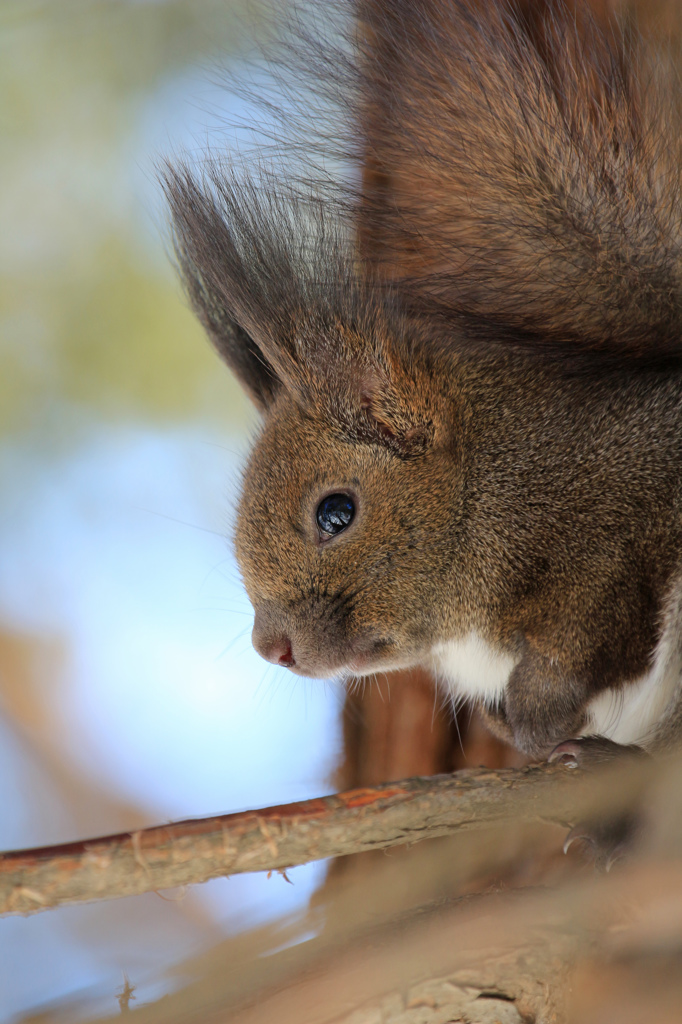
column 275, row 838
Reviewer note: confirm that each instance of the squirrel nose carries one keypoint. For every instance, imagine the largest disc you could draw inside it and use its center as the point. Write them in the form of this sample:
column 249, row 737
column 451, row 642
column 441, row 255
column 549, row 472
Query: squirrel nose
column 273, row 645
column 276, row 650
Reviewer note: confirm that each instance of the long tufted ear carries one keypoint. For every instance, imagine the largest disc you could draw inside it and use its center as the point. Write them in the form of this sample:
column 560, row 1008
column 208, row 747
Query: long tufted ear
column 216, row 279
column 269, row 273
column 234, row 344
column 273, row 278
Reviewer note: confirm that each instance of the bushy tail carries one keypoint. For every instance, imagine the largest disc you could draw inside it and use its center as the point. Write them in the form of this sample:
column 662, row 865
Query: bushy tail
column 525, row 172
column 519, row 177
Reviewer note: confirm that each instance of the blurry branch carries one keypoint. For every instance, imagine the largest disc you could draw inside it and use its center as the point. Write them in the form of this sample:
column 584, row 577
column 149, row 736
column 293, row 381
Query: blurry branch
column 275, row 838
column 492, row 958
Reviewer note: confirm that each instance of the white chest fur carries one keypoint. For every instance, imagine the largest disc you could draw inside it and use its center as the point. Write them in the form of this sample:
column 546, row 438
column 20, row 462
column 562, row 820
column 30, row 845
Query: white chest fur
column 471, row 667
column 636, row 712
column 629, row 714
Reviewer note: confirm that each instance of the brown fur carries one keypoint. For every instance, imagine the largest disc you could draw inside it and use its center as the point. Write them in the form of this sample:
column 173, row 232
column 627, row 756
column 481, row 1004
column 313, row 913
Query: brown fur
column 506, row 407
column 529, row 172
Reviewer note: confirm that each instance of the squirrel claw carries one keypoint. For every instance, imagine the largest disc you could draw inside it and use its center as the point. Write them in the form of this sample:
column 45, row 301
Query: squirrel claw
column 619, row 852
column 567, row 753
column 609, row 840
column 591, row 752
column 579, row 834
column 605, row 844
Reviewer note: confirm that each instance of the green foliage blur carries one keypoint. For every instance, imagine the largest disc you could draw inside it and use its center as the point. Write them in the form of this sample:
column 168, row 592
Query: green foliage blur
column 92, row 320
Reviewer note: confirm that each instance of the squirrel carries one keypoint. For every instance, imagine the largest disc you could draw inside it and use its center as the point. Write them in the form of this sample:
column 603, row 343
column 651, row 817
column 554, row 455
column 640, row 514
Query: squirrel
column 470, row 455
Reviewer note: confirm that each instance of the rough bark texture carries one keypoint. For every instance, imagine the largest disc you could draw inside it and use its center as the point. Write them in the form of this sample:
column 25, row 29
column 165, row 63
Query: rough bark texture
column 274, row 838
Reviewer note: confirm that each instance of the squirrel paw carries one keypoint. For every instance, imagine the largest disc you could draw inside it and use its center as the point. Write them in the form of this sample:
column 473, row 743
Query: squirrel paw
column 592, row 751
column 607, row 840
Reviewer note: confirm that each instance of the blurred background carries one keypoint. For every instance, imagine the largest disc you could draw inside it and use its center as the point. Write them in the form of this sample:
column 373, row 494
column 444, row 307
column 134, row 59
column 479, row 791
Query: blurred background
column 129, row 693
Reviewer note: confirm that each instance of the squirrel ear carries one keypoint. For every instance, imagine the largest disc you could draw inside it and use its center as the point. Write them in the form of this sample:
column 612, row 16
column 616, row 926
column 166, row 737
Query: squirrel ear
column 217, row 277
column 388, row 402
column 234, row 344
column 248, row 364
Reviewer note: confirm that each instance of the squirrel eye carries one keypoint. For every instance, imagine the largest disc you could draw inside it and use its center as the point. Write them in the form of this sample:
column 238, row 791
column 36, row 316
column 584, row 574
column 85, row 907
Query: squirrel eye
column 335, row 513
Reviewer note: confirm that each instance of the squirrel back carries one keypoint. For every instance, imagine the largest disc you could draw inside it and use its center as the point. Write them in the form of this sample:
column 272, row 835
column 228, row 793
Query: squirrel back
column 468, row 362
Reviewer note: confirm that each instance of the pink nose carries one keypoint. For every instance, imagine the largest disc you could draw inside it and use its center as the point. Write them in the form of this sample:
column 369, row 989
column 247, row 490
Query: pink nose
column 276, row 650
column 272, row 637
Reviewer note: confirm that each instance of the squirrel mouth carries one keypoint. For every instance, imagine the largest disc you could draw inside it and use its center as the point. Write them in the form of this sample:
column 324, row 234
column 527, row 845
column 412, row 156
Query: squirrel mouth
column 371, row 658
column 314, row 650
column 364, row 658
column 385, row 657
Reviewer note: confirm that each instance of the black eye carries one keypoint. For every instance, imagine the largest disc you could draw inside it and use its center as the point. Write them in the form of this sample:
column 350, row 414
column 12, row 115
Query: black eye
column 335, row 513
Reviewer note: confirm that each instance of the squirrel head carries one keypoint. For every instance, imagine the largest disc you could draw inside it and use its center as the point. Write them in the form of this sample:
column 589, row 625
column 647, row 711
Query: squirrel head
column 350, row 495
column 344, row 522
